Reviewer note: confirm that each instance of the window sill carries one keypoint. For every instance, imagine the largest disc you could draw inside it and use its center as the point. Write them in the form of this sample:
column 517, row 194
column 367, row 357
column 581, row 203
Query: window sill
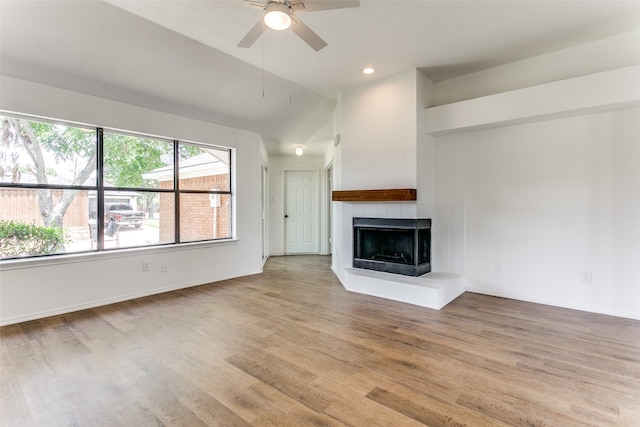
column 23, row 263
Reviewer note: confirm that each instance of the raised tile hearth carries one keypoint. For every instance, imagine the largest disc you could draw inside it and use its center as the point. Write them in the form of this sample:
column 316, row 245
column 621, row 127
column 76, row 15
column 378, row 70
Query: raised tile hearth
column 431, row 290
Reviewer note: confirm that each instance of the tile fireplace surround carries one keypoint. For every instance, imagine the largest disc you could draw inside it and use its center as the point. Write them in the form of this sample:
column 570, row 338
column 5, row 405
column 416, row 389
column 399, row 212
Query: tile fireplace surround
column 435, row 289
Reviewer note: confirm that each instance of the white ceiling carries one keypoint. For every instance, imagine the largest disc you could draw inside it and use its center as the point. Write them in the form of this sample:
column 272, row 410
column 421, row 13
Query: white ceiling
column 181, row 56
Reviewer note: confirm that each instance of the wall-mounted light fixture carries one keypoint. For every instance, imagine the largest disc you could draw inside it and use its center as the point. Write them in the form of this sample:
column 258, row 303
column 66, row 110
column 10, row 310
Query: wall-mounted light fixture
column 299, row 151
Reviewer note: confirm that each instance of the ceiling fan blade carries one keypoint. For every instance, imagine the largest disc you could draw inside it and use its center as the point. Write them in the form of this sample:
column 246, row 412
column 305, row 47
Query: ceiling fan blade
column 307, row 34
column 252, row 35
column 317, row 5
column 255, row 3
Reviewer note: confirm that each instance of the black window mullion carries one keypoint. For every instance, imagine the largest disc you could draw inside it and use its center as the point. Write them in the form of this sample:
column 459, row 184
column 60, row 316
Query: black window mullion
column 100, row 190
column 231, row 189
column 176, row 188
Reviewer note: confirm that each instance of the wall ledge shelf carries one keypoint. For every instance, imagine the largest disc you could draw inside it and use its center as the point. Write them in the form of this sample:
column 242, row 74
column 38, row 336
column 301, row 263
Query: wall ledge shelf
column 389, row 195
column 593, row 93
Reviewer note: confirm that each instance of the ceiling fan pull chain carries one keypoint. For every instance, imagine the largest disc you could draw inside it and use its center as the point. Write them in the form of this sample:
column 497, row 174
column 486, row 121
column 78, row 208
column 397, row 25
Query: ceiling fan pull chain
column 263, row 65
column 290, row 64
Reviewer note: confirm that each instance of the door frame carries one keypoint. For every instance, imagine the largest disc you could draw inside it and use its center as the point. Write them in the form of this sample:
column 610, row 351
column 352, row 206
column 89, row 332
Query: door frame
column 316, row 178
column 264, row 217
column 328, row 210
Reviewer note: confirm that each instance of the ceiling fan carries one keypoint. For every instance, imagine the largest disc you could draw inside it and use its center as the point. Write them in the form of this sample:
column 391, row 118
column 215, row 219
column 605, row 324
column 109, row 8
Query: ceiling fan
column 281, row 14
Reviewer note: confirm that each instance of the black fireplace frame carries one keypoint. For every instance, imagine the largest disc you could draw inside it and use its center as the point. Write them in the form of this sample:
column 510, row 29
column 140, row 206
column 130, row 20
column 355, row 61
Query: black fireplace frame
column 419, row 230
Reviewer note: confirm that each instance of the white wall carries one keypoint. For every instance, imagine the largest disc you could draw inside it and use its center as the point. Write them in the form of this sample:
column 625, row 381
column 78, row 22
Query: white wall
column 550, row 189
column 41, row 287
column 333, row 157
column 425, row 150
column 550, row 201
column 277, row 166
column 379, row 134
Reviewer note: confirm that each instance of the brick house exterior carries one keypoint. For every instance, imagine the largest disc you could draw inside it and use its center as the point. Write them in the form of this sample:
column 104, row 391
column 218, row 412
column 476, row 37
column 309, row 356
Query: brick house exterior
column 197, row 214
column 202, row 216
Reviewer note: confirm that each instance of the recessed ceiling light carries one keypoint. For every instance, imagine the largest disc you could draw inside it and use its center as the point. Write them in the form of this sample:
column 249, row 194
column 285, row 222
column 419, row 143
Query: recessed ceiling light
column 368, row 70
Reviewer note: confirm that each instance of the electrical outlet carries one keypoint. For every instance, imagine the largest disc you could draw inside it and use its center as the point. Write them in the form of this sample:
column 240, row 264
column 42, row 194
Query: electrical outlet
column 587, row 277
column 164, row 268
column 497, row 266
column 145, row 266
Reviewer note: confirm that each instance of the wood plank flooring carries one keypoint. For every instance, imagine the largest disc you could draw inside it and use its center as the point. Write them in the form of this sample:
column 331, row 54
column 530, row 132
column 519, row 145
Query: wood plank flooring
column 290, row 347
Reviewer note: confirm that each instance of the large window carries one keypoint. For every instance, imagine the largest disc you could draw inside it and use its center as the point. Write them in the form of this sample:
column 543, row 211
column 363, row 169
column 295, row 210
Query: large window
column 67, row 189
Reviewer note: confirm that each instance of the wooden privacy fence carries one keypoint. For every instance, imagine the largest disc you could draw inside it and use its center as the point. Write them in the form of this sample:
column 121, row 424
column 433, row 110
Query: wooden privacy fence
column 23, row 206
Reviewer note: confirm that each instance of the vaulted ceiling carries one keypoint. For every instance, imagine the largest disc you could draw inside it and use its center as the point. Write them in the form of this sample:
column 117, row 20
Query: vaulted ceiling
column 182, row 57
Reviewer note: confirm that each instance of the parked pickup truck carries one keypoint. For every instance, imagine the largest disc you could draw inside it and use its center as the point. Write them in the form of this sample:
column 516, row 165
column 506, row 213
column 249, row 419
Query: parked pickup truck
column 123, row 214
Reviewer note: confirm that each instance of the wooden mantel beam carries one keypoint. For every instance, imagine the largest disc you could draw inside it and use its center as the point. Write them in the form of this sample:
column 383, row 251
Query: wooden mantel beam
column 390, row 195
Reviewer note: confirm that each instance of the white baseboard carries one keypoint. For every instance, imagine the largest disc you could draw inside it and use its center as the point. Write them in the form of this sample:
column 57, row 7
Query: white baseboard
column 555, row 303
column 121, row 298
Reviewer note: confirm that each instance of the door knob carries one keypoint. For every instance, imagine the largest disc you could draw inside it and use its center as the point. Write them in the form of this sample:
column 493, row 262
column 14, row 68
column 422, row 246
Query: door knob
column 286, row 216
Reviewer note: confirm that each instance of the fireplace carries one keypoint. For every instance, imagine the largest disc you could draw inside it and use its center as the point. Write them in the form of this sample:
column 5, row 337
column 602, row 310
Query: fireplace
column 393, row 245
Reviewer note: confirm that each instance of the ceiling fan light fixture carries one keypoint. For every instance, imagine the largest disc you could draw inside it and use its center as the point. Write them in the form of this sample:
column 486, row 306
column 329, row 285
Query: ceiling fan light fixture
column 277, row 16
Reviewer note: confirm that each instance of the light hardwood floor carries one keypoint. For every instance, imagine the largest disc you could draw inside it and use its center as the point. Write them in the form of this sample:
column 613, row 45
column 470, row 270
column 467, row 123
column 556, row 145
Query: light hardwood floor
column 290, row 347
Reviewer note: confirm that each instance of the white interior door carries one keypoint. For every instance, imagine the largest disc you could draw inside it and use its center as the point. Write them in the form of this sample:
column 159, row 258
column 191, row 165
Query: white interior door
column 301, row 212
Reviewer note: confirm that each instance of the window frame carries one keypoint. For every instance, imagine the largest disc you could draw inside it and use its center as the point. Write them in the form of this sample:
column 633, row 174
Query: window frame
column 100, row 188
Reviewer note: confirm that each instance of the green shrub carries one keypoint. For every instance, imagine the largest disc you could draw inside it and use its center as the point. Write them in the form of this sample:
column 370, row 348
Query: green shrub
column 19, row 239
